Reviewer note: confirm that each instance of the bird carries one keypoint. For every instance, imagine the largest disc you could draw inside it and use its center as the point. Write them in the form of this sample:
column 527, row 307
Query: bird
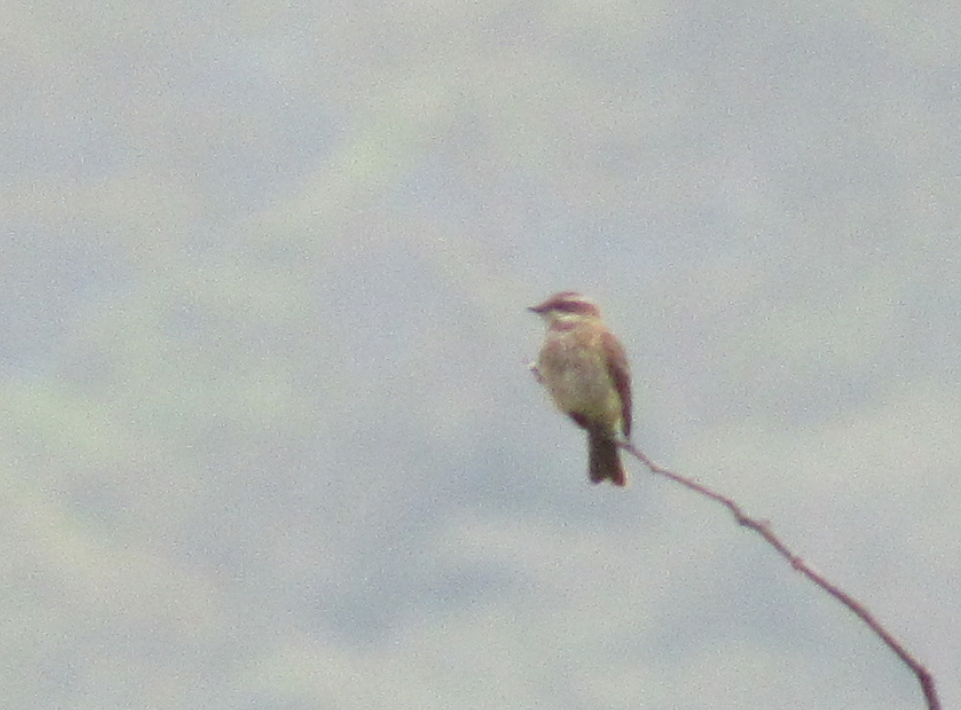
column 585, row 370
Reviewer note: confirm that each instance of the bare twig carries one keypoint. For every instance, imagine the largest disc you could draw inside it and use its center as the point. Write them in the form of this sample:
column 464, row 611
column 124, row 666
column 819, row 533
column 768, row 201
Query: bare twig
column 763, row 529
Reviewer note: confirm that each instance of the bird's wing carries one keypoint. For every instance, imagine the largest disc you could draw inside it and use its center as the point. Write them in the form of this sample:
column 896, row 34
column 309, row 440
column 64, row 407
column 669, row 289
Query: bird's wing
column 620, row 373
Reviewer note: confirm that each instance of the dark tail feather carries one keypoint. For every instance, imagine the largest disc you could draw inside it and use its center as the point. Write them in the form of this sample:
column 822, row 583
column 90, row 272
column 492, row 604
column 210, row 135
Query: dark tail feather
column 605, row 460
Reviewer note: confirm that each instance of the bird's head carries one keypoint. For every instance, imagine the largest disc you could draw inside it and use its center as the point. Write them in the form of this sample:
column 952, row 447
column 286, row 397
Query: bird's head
column 566, row 306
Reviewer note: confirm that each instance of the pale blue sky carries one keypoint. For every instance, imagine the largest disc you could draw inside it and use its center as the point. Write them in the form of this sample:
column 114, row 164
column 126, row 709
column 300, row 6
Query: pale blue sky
column 271, row 441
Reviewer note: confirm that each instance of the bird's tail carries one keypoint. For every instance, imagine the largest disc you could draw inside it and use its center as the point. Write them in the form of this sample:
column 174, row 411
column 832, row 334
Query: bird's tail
column 605, row 459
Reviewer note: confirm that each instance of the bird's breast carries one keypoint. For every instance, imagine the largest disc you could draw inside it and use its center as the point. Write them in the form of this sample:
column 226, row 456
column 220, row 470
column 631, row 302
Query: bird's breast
column 575, row 371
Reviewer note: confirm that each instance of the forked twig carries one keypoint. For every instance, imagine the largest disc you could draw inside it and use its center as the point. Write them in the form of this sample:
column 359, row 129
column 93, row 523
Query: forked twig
column 763, row 529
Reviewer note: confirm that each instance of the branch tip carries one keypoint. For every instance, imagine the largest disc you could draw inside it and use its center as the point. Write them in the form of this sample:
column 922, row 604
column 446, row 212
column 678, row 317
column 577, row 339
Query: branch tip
column 763, row 528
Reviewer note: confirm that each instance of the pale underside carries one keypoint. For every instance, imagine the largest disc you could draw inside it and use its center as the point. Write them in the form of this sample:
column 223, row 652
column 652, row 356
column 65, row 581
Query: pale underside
column 578, row 366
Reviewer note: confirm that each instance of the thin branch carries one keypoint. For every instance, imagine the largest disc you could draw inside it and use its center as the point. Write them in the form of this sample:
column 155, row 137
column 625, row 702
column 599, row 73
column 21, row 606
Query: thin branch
column 763, row 529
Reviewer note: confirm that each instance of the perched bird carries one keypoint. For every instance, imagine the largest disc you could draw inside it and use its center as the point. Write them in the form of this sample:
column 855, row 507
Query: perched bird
column 585, row 370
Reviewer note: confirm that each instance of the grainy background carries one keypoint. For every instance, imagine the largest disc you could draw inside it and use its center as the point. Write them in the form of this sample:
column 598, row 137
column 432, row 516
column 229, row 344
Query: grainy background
column 268, row 440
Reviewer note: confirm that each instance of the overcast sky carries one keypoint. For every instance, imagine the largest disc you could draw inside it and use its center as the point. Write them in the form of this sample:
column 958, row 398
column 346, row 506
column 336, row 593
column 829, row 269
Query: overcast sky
column 269, row 439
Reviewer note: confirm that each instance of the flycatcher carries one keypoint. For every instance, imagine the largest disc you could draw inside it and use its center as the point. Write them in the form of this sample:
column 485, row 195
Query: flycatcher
column 585, row 370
